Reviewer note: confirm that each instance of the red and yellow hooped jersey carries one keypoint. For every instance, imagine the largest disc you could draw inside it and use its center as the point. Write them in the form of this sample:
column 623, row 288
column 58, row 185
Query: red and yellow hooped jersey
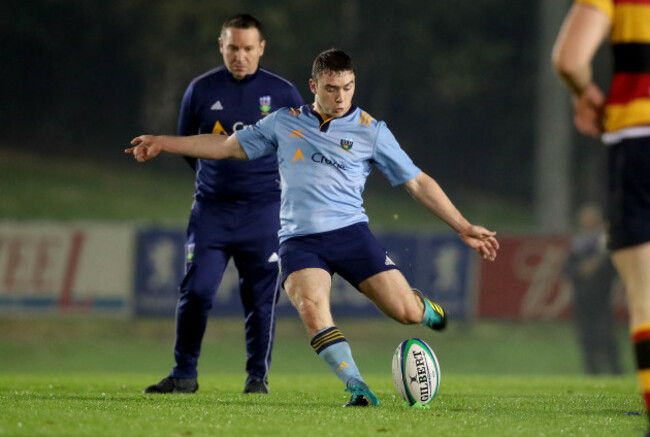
column 628, row 102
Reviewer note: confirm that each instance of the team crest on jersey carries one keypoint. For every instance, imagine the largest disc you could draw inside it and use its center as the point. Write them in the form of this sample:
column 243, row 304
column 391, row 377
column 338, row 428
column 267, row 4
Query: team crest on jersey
column 346, row 143
column 265, row 105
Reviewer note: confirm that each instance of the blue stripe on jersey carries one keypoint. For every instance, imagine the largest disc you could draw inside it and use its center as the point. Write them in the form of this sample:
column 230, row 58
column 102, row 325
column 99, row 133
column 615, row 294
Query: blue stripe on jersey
column 217, row 102
column 324, row 172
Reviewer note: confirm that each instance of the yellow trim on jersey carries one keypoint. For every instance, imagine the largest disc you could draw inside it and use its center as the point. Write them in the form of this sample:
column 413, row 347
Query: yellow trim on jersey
column 631, row 23
column 295, row 112
column 325, row 122
column 365, row 119
column 640, row 328
column 634, row 113
column 321, row 116
column 606, row 6
column 644, row 379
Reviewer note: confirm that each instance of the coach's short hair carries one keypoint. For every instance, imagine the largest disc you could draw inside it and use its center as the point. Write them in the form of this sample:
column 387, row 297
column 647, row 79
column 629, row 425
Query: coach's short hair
column 332, row 60
column 243, row 21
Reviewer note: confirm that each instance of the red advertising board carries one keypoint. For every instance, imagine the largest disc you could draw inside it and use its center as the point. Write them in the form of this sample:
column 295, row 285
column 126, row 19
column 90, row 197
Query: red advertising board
column 75, row 266
column 523, row 283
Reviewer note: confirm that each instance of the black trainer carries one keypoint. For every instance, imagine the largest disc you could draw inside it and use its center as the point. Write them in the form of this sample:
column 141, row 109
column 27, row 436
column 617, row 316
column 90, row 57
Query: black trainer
column 256, row 386
column 173, row 385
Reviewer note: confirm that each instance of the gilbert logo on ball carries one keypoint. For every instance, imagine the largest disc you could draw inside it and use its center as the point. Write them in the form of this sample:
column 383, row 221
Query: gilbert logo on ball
column 416, row 372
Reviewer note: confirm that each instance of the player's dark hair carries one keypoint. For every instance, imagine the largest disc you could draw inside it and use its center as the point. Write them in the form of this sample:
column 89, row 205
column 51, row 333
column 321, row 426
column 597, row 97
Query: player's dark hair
column 332, row 60
column 243, row 21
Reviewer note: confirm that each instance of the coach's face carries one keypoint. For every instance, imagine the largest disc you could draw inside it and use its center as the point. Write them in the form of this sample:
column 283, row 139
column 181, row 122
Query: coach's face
column 241, row 50
column 333, row 92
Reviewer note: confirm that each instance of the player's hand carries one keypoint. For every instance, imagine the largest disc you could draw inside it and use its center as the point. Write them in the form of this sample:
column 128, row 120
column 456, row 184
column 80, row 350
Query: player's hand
column 145, row 147
column 588, row 111
column 481, row 240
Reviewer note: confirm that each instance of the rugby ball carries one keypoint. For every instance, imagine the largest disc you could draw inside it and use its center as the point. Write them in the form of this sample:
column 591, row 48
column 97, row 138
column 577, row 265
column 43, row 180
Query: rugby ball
column 416, row 372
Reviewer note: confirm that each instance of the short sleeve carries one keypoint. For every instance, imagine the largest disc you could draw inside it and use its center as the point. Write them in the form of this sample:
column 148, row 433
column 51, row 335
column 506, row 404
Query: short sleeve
column 258, row 139
column 391, row 159
column 606, row 6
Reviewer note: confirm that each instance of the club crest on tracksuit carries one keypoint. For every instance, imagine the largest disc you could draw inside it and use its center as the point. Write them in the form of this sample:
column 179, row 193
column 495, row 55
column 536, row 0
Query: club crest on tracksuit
column 265, row 105
column 189, row 252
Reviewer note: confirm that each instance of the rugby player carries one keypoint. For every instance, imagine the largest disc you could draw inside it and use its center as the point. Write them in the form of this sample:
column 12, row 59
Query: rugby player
column 326, row 151
column 622, row 121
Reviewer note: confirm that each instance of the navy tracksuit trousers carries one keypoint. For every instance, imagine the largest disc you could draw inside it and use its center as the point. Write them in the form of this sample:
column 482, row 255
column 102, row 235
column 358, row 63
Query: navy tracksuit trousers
column 248, row 234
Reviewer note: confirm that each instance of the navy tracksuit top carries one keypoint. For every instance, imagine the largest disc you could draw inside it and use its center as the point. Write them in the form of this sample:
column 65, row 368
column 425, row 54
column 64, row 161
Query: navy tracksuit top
column 216, row 102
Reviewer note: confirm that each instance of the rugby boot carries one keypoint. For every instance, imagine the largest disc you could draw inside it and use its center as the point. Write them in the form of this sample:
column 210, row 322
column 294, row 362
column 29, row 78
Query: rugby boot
column 361, row 397
column 173, row 385
column 255, row 385
column 434, row 316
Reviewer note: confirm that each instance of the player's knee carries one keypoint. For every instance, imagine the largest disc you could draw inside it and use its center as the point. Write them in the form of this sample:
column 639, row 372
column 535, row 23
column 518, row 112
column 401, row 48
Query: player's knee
column 201, row 296
column 307, row 308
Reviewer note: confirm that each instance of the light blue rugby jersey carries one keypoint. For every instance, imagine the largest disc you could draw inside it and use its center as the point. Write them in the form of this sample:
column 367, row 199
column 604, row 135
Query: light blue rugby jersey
column 324, row 164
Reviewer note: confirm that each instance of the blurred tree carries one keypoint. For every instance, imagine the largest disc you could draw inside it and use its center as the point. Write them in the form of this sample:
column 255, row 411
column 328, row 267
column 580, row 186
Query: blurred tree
column 66, row 76
column 455, row 81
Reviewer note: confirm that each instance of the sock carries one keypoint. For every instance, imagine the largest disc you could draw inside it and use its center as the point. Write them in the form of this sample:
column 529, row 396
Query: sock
column 333, row 348
column 432, row 312
column 641, row 343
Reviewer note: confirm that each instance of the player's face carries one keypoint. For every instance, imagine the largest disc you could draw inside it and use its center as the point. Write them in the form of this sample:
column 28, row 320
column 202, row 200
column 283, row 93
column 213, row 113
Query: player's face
column 241, row 50
column 333, row 93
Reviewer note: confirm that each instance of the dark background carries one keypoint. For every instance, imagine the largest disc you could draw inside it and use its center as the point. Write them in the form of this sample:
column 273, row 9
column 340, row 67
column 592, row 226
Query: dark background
column 457, row 82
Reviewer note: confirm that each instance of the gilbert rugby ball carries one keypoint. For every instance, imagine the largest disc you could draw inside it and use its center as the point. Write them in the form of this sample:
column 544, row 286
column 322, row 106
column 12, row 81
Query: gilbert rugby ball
column 416, row 372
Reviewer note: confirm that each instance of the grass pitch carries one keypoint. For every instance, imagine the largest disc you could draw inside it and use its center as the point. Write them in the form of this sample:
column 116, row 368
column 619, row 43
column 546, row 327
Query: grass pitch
column 81, row 377
column 111, row 405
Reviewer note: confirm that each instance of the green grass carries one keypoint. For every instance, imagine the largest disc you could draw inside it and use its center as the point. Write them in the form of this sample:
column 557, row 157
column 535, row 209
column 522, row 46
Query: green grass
column 50, row 188
column 78, row 376
column 47, row 188
column 301, row 405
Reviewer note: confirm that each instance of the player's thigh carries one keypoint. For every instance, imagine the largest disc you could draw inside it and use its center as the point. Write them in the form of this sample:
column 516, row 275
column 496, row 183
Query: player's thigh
column 391, row 293
column 310, row 285
column 309, row 291
column 632, row 264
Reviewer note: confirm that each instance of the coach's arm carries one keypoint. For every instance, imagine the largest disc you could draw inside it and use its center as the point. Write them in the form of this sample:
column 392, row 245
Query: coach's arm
column 427, row 191
column 207, row 146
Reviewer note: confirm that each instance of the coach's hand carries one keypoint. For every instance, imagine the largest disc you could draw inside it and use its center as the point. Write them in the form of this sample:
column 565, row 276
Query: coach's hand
column 145, row 147
column 481, row 240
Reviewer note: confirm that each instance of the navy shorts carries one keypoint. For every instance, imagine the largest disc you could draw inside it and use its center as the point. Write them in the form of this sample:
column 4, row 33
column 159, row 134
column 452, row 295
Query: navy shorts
column 628, row 193
column 352, row 252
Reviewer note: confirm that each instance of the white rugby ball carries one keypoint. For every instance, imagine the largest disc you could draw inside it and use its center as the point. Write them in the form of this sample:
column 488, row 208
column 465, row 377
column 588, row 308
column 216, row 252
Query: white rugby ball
column 416, row 372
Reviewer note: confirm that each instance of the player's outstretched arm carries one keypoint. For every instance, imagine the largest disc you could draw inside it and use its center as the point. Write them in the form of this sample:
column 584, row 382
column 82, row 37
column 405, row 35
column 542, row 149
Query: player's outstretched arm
column 207, row 146
column 427, row 191
column 583, row 31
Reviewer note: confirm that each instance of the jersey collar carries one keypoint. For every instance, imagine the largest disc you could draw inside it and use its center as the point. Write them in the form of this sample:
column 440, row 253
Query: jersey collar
column 324, row 124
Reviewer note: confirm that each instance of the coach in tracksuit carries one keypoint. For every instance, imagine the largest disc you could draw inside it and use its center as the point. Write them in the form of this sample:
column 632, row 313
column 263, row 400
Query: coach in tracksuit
column 236, row 208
